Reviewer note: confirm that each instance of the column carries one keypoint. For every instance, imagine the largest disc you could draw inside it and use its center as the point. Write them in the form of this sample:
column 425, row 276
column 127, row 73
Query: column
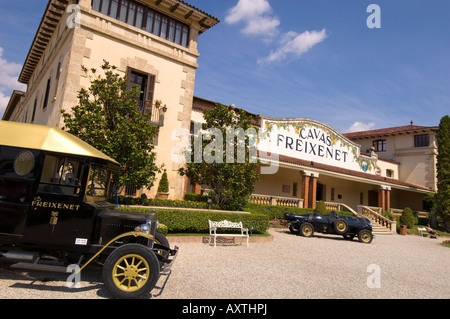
column 387, row 198
column 309, row 189
column 313, row 191
column 381, row 198
column 305, row 191
column 384, row 197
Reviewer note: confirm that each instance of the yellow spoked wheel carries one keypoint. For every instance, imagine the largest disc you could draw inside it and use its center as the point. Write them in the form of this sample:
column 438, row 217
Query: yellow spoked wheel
column 306, row 229
column 365, row 236
column 131, row 271
column 340, row 226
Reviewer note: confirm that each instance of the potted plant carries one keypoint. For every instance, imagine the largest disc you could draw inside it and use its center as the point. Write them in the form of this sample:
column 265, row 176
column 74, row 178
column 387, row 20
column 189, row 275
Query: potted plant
column 158, row 103
column 163, row 187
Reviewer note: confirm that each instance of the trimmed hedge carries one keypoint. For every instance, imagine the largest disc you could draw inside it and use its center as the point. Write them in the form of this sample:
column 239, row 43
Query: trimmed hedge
column 179, row 221
column 278, row 212
column 195, row 197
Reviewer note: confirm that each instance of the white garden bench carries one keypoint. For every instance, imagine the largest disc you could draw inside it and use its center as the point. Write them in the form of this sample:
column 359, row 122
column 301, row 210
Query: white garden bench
column 213, row 226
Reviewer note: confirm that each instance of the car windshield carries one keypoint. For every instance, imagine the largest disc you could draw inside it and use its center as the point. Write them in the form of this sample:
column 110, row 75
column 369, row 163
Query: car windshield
column 98, row 181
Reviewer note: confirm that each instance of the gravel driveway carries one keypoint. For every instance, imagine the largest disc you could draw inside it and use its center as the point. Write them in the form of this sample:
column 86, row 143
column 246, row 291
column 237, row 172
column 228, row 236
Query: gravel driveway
column 289, row 267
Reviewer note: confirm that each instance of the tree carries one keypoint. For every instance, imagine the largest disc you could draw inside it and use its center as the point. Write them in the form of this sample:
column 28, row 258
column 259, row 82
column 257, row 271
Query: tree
column 107, row 117
column 443, row 173
column 221, row 157
column 163, row 186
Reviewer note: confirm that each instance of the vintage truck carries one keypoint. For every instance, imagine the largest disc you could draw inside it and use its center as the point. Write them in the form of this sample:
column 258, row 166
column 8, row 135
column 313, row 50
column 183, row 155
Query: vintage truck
column 53, row 206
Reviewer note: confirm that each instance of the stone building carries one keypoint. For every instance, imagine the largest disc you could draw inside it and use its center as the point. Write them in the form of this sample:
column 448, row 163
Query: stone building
column 154, row 43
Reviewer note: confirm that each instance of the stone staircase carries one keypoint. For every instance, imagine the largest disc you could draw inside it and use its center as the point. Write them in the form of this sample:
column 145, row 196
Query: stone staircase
column 380, row 225
column 378, row 229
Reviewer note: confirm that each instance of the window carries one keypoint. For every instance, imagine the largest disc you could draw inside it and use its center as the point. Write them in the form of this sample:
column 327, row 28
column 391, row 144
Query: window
column 195, row 128
column 144, row 18
column 98, row 181
column 379, row 145
column 47, row 93
column 61, row 176
column 34, row 110
column 421, row 140
column 389, row 173
column 130, row 190
column 146, row 84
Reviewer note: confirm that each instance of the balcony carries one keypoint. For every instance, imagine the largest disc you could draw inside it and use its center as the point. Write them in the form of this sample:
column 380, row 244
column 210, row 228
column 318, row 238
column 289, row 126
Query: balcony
column 157, row 113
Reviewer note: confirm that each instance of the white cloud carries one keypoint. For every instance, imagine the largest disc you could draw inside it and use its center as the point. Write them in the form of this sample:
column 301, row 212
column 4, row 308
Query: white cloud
column 260, row 21
column 257, row 16
column 9, row 72
column 360, row 127
column 294, row 45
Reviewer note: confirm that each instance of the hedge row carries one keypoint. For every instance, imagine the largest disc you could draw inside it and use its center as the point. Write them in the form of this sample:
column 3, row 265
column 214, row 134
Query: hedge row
column 179, row 221
column 278, row 212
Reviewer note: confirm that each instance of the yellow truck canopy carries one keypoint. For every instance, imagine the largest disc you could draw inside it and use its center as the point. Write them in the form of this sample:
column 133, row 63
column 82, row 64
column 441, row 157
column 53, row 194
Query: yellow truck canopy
column 46, row 138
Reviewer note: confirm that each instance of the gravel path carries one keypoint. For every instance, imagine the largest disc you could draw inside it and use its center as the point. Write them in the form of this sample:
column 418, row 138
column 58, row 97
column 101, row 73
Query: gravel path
column 289, row 267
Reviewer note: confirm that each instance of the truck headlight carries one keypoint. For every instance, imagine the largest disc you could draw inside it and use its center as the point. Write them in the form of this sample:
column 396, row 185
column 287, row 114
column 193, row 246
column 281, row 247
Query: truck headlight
column 145, row 228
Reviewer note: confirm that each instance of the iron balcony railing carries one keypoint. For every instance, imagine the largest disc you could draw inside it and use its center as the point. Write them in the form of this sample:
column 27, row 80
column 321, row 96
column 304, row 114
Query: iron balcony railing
column 157, row 113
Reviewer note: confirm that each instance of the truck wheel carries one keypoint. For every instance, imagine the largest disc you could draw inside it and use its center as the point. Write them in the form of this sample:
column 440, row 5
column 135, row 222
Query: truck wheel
column 162, row 240
column 131, row 271
column 365, row 236
column 306, row 229
column 340, row 226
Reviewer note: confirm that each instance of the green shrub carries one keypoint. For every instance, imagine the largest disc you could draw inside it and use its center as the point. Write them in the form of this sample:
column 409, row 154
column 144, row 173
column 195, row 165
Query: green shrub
column 163, row 186
column 273, row 212
column 321, row 208
column 388, row 214
column 124, row 200
column 195, row 197
column 179, row 221
column 407, row 217
column 279, row 211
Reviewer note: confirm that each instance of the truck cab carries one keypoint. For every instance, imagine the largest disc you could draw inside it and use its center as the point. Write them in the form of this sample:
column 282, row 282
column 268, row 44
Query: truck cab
column 53, row 204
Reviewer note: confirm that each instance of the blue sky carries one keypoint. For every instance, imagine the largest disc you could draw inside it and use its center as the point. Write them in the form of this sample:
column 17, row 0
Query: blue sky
column 301, row 58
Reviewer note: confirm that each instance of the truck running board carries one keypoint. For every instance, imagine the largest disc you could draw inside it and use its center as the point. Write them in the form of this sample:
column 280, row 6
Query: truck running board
column 44, row 267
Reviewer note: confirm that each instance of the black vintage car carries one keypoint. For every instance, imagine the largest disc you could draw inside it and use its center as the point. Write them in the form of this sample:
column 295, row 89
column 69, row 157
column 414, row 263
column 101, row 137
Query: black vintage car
column 53, row 206
column 347, row 226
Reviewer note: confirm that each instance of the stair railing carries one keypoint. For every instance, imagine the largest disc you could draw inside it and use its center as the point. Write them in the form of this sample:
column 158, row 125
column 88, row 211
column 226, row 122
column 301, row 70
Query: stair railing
column 378, row 218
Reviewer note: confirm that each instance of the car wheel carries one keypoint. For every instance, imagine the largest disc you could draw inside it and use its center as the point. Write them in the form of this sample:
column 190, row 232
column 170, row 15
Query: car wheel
column 292, row 229
column 340, row 226
column 306, row 229
column 365, row 236
column 131, row 271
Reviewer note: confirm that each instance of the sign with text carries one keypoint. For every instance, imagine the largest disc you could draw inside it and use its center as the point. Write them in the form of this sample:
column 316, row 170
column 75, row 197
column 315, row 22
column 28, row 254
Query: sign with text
column 312, row 141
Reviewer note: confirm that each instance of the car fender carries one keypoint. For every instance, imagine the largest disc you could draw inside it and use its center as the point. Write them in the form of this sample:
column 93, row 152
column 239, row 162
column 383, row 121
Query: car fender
column 128, row 234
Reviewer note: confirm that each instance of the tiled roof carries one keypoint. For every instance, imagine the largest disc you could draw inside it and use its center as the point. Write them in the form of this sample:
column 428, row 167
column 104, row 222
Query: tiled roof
column 335, row 169
column 390, row 131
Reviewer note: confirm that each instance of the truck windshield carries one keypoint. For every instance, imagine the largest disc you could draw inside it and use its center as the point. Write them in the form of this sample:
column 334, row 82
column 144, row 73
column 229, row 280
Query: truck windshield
column 97, row 186
column 61, row 175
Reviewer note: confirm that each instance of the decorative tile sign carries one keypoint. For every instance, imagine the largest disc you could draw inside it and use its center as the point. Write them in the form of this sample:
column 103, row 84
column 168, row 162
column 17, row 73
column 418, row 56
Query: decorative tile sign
column 314, row 141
